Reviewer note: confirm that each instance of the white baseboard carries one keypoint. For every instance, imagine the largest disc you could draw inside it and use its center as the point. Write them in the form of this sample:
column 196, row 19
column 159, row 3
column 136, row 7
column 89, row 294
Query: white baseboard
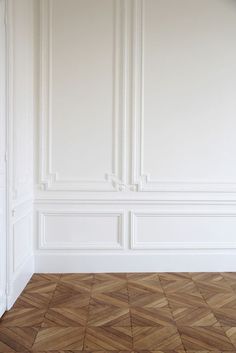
column 20, row 281
column 175, row 261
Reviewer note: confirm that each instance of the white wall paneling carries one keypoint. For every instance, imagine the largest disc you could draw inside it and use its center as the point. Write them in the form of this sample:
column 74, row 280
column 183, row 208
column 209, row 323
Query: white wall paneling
column 136, row 117
column 152, row 230
column 22, row 240
column 85, row 151
column 183, row 86
column 97, row 230
column 20, row 100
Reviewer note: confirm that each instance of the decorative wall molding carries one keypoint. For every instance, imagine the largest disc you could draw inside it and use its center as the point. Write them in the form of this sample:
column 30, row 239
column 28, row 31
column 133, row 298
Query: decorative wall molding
column 118, row 216
column 20, row 106
column 141, row 178
column 180, row 215
column 49, row 178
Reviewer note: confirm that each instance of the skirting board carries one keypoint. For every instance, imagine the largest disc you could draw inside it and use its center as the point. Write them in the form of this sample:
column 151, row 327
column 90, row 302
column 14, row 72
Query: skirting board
column 181, row 261
column 20, row 281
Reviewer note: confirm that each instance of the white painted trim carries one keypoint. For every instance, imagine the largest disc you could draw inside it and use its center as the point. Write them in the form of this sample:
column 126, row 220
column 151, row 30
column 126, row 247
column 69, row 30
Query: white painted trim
column 136, row 198
column 177, row 261
column 177, row 245
column 142, row 178
column 17, row 202
column 3, row 163
column 44, row 245
column 49, row 179
column 20, row 280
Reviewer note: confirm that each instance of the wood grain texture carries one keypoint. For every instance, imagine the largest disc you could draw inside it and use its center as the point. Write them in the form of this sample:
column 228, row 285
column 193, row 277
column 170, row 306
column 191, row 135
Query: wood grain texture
column 154, row 338
column 59, row 338
column 122, row 313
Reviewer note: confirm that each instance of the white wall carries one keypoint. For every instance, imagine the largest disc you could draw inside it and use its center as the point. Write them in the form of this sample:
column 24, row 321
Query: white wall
column 136, row 136
column 20, row 94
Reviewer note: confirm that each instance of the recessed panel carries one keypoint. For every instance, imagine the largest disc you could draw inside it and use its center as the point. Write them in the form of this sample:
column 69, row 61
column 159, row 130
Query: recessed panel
column 189, row 90
column 82, row 88
column 81, row 230
column 192, row 231
column 22, row 234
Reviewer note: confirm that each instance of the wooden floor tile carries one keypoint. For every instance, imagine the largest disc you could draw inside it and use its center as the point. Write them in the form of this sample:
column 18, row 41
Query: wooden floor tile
column 214, row 287
column 69, row 298
column 207, row 351
column 226, row 316
column 181, row 299
column 230, row 277
column 182, row 286
column 156, row 338
column 151, row 286
column 108, row 338
column 193, row 316
column 16, row 339
column 208, row 277
column 141, row 316
column 143, row 276
column 55, row 338
column 109, row 286
column 77, row 277
column 67, row 317
column 45, row 277
column 75, row 283
column 231, row 334
column 105, row 315
column 220, row 299
column 123, row 313
column 33, row 300
column 23, row 317
column 107, row 277
column 117, row 298
column 146, row 299
column 175, row 276
column 205, row 338
column 41, row 287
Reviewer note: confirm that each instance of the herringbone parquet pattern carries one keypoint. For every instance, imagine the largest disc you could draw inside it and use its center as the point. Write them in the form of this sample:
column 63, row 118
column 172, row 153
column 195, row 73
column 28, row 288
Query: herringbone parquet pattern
column 122, row 313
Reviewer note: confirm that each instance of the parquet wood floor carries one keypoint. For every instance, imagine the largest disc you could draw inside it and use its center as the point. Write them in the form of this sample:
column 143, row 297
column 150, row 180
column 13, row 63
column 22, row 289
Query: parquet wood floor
column 123, row 313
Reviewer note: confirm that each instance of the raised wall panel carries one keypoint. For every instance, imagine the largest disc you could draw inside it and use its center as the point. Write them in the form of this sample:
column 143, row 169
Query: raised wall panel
column 82, row 108
column 182, row 230
column 81, row 230
column 21, row 98
column 22, row 240
column 19, row 86
column 184, row 95
column 138, row 97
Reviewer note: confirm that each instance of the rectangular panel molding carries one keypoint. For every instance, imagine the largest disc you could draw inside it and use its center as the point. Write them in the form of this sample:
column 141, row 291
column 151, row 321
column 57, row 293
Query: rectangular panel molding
column 144, row 180
column 154, row 230
column 93, row 230
column 112, row 179
column 136, row 142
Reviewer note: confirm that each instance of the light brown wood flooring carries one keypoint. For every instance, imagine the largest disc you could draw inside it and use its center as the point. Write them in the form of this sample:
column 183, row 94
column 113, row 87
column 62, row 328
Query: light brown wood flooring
column 133, row 312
